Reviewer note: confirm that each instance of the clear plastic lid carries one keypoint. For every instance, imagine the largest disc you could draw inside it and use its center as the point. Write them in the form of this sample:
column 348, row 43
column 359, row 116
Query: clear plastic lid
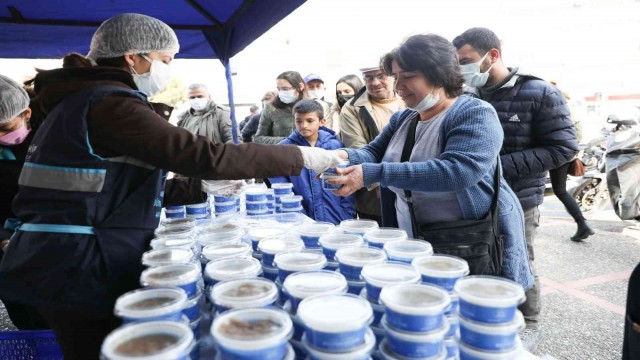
column 358, row 225
column 282, row 186
column 441, row 266
column 251, row 329
column 291, row 199
column 259, row 233
column 175, row 232
column 335, row 312
column 415, row 299
column 184, row 222
column 389, row 273
column 167, row 256
column 154, row 340
column 275, row 246
column 256, row 191
column 360, row 256
column 244, row 293
column 223, row 238
column 384, row 235
column 408, row 249
column 233, row 268
column 317, row 228
column 217, row 228
column 170, row 275
column 150, row 302
column 216, row 252
column 300, row 260
column 168, row 242
column 304, row 284
column 340, row 241
column 489, row 291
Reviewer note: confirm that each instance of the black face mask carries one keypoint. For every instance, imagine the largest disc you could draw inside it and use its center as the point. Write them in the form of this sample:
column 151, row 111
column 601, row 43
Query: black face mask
column 342, row 99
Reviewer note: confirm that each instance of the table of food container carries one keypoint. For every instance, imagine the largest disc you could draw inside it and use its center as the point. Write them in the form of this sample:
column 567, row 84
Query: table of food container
column 248, row 276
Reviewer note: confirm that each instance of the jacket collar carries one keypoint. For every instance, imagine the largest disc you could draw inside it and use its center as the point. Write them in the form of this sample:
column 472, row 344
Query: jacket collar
column 324, row 135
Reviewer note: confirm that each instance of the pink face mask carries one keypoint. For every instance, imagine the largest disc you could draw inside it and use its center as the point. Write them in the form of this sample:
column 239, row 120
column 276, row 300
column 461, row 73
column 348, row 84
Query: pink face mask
column 15, row 137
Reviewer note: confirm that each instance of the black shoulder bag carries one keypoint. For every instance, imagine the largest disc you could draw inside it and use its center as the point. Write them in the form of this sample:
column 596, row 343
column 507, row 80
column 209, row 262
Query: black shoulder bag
column 477, row 241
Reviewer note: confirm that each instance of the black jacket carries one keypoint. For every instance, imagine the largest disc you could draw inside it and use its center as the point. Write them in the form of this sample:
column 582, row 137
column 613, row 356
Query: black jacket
column 539, row 134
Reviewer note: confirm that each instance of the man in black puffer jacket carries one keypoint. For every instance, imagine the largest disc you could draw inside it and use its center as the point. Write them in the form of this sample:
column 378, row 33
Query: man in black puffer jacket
column 538, row 136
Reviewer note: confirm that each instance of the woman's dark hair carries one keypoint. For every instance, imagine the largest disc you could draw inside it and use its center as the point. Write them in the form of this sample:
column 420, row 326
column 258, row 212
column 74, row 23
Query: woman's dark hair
column 295, row 79
column 353, row 81
column 431, row 55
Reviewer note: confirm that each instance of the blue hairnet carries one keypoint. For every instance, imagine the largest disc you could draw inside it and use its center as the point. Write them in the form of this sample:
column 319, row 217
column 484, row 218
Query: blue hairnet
column 13, row 99
column 127, row 34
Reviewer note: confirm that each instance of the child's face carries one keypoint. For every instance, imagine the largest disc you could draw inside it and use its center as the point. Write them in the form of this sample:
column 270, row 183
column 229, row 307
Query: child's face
column 308, row 124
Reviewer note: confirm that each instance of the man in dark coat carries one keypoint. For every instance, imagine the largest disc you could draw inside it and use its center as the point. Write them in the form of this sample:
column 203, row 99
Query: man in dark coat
column 538, row 136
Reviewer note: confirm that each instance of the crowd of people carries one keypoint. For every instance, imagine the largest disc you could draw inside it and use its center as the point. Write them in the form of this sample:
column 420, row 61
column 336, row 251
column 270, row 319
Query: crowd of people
column 438, row 135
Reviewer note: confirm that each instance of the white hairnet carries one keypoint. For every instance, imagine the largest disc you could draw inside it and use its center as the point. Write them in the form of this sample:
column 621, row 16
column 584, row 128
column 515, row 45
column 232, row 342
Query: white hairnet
column 127, row 34
column 13, row 99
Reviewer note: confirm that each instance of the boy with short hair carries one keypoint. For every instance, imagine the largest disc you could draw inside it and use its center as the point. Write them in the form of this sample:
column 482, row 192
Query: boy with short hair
column 319, row 204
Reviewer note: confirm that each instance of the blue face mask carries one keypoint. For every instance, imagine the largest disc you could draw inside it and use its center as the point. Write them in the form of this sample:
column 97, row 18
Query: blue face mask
column 472, row 75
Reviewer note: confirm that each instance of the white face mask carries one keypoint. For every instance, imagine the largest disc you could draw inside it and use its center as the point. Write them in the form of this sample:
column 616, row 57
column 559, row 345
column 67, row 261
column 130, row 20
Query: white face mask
column 198, row 104
column 155, row 80
column 287, row 96
column 427, row 103
column 316, row 94
column 472, row 75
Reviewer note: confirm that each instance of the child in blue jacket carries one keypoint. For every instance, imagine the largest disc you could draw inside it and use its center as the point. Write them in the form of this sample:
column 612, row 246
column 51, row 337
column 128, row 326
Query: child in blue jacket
column 319, row 204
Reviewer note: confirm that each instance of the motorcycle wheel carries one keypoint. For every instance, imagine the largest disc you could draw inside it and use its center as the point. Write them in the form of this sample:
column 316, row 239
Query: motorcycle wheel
column 586, row 193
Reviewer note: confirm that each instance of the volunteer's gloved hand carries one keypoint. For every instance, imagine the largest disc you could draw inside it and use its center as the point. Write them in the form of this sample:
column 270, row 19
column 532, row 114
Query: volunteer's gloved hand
column 318, row 159
column 223, row 187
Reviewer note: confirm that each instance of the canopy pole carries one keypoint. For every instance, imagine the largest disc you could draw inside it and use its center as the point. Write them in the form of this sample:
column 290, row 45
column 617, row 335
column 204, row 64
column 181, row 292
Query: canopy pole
column 232, row 106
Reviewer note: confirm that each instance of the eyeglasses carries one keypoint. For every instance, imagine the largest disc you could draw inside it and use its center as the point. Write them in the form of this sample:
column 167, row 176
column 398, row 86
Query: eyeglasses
column 369, row 78
column 285, row 89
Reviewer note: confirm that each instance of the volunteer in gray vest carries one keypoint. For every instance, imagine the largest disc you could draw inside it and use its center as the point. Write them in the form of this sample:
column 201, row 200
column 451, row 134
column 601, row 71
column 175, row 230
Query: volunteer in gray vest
column 361, row 120
column 89, row 201
column 205, row 117
column 538, row 136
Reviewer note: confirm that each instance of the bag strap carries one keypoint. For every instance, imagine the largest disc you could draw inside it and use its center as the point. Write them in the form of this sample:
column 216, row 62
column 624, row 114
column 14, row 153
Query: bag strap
column 406, row 154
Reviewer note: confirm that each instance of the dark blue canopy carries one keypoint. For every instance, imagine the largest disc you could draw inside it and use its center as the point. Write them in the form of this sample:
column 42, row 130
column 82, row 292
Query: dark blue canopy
column 206, row 29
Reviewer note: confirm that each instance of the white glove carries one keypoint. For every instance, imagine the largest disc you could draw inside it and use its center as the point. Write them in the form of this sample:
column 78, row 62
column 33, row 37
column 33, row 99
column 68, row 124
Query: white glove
column 318, row 159
column 223, row 187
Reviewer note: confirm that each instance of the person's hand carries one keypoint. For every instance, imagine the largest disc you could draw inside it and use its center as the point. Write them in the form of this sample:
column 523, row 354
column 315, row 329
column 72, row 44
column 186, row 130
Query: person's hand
column 342, row 154
column 223, row 187
column 352, row 181
column 4, row 244
column 318, row 159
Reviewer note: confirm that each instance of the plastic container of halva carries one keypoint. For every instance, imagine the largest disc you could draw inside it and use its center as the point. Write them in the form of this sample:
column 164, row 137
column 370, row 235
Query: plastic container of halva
column 489, row 299
column 259, row 233
column 167, row 256
column 151, row 304
column 331, row 243
column 217, row 252
column 223, row 238
column 386, row 354
column 291, row 202
column 243, row 294
column 351, row 260
column 280, row 189
column 176, row 222
column 416, row 345
column 253, row 334
column 184, row 276
column 469, row 353
column 256, row 194
column 414, row 307
column 256, row 206
column 154, row 340
column 273, row 246
column 493, row 337
column 311, row 233
column 357, row 226
column 218, row 228
column 184, row 243
column 175, row 232
column 302, row 285
column 379, row 275
column 335, row 322
column 441, row 270
column 362, row 352
column 379, row 237
column 231, row 269
column 407, row 250
column 296, row 261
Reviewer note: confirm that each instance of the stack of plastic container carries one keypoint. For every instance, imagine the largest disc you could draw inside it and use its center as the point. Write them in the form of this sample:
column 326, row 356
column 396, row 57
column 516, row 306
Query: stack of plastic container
column 444, row 271
column 489, row 319
column 198, row 211
column 256, row 201
column 225, row 205
column 291, row 204
column 270, row 247
column 414, row 321
column 351, row 260
column 310, row 233
column 337, row 326
column 174, row 212
column 281, row 190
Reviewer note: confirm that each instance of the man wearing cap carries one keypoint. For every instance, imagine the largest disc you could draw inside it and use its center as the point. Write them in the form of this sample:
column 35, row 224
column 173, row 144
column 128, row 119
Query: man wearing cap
column 362, row 119
column 316, row 90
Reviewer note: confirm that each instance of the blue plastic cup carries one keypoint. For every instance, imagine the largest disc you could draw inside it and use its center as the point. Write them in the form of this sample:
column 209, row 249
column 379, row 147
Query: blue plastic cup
column 441, row 270
column 256, row 206
column 493, row 337
column 351, row 260
column 407, row 250
column 256, row 194
column 302, row 285
column 280, row 189
column 224, row 207
column 179, row 340
column 272, row 246
column 255, row 234
column 416, row 345
column 362, row 352
column 379, row 275
column 244, row 294
column 414, row 307
column 311, row 233
column 296, row 261
column 331, row 242
column 184, row 276
column 378, row 237
column 231, row 269
column 197, row 209
column 489, row 299
column 357, row 226
column 151, row 304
